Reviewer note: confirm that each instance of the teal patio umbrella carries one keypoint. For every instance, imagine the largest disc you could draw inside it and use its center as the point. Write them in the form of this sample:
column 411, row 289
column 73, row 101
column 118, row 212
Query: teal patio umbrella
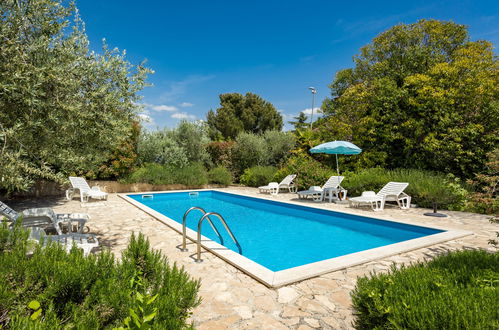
column 336, row 148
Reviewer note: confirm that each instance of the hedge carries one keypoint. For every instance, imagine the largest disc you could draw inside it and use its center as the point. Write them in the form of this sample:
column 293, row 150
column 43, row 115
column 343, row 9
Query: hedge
column 455, row 291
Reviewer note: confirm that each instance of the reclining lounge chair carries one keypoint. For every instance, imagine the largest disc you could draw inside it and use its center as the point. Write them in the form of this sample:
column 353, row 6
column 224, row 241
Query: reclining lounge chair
column 392, row 191
column 86, row 242
column 274, row 187
column 84, row 189
column 331, row 187
column 46, row 218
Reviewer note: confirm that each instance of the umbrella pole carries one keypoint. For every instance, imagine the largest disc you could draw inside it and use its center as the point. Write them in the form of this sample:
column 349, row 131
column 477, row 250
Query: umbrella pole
column 337, row 167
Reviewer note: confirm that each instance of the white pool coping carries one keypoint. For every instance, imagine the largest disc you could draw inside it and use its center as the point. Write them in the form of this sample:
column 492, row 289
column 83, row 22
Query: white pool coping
column 295, row 274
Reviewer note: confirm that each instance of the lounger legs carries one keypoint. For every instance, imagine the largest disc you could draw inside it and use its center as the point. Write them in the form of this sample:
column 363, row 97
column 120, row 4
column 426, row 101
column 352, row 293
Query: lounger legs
column 404, row 202
column 378, row 205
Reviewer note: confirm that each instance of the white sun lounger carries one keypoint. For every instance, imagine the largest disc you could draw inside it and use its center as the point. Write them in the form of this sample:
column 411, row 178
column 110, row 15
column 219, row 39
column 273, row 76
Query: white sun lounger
column 84, row 189
column 46, row 218
column 274, row 187
column 392, row 191
column 331, row 187
column 86, row 242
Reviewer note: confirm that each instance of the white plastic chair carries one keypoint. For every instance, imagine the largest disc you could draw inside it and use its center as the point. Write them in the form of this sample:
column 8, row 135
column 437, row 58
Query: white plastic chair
column 286, row 183
column 392, row 191
column 84, row 189
column 331, row 187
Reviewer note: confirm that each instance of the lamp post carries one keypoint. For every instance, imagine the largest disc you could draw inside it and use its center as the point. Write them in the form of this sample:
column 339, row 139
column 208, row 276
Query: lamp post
column 314, row 91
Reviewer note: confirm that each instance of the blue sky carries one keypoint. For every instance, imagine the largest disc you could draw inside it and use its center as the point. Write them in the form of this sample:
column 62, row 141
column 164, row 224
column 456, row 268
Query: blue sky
column 276, row 49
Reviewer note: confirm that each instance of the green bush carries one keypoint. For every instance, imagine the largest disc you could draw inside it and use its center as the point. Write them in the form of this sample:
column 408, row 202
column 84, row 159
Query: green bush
column 455, row 291
column 425, row 187
column 248, row 151
column 309, row 171
column 149, row 173
column 174, row 147
column 268, row 149
column 190, row 175
column 279, row 144
column 93, row 292
column 220, row 175
column 221, row 153
column 484, row 193
column 160, row 147
column 258, row 176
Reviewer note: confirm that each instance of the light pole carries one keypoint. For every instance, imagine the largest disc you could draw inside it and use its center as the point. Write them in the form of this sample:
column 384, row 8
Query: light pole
column 314, row 91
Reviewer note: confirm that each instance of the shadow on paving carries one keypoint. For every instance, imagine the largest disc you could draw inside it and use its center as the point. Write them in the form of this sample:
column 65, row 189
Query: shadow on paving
column 22, row 203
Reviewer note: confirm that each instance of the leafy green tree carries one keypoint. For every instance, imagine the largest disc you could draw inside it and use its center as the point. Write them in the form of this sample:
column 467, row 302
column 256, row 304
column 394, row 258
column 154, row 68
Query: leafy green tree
column 193, row 138
column 242, row 113
column 279, row 145
column 300, row 121
column 186, row 143
column 420, row 96
column 249, row 150
column 63, row 108
column 160, row 147
column 268, row 149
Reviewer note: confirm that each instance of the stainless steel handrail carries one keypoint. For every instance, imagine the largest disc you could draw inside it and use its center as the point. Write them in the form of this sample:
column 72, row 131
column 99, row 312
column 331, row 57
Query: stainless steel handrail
column 200, row 223
column 184, row 227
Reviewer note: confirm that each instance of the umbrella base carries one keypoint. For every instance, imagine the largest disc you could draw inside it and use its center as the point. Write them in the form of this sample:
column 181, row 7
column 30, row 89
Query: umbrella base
column 435, row 214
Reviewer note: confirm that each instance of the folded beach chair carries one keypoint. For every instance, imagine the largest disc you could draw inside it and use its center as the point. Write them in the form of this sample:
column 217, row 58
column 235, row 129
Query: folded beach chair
column 274, row 187
column 86, row 242
column 392, row 191
column 332, row 186
column 46, row 218
column 84, row 189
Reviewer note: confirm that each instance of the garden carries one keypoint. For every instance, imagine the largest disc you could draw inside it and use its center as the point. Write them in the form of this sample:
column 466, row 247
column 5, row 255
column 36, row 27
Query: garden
column 421, row 101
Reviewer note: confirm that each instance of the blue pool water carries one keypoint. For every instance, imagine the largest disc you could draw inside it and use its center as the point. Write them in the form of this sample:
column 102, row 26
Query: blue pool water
column 279, row 235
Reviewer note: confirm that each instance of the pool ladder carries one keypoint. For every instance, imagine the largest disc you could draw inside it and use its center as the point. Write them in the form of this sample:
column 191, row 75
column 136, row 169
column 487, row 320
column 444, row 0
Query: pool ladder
column 206, row 215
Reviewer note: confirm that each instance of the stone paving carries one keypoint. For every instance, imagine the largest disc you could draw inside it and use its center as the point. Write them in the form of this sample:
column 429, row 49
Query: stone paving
column 233, row 300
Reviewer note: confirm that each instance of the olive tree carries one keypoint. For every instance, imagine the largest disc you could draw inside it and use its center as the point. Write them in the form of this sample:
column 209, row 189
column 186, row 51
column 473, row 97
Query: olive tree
column 63, row 108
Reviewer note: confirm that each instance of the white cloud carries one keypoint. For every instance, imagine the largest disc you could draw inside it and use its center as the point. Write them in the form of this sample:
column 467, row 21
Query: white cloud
column 285, row 116
column 164, row 107
column 146, row 118
column 186, row 104
column 308, row 111
column 183, row 115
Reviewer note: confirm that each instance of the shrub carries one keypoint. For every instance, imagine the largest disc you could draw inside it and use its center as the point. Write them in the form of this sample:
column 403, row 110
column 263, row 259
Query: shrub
column 268, row 149
column 150, row 173
column 279, row 145
column 160, row 147
column 309, row 171
column 190, row 175
column 221, row 153
column 193, row 138
column 425, row 187
column 175, row 147
column 484, row 196
column 220, row 175
column 455, row 291
column 248, row 151
column 258, row 176
column 93, row 292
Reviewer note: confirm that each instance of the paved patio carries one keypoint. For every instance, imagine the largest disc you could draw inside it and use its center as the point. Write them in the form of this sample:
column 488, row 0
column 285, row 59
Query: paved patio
column 231, row 299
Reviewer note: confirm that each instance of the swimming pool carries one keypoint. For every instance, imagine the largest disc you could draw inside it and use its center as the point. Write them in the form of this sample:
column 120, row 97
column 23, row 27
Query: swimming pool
column 281, row 238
